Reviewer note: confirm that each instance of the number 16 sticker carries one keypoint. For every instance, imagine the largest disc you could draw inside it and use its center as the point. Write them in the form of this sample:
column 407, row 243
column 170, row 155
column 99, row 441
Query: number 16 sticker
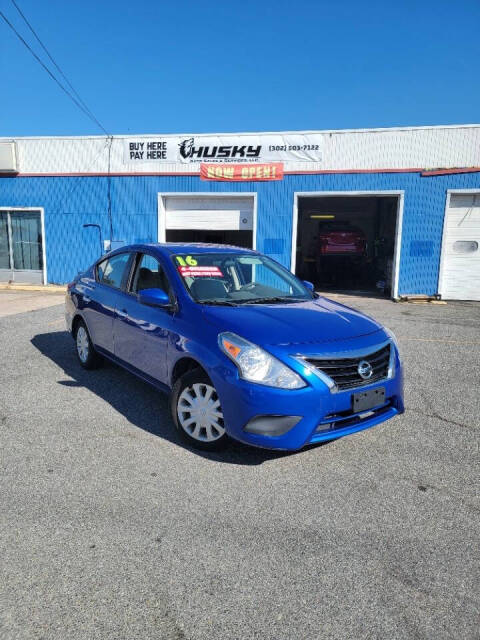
column 189, row 260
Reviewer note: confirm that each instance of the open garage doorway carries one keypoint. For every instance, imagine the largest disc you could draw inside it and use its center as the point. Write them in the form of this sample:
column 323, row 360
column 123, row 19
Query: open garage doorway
column 214, row 218
column 348, row 242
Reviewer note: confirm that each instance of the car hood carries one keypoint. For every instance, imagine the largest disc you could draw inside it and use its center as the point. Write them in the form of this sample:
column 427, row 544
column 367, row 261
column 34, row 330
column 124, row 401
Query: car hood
column 313, row 321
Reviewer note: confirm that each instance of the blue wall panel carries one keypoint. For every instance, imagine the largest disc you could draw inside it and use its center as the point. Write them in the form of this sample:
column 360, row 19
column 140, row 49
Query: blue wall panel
column 70, row 202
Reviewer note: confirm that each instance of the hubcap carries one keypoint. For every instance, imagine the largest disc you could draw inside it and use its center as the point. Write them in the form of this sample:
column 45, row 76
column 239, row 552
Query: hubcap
column 199, row 412
column 82, row 344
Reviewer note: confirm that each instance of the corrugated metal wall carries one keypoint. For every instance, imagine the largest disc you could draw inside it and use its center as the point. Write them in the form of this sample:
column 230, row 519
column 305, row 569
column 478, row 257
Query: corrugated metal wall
column 71, row 202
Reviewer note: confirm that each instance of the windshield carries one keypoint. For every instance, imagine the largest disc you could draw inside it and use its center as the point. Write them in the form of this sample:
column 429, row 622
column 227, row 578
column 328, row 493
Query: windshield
column 231, row 279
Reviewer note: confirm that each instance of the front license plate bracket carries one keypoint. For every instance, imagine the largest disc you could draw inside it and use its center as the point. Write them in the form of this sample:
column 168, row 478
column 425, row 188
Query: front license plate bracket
column 365, row 400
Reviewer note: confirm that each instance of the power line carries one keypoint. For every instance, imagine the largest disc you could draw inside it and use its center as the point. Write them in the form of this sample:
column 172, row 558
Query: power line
column 37, row 37
column 68, row 93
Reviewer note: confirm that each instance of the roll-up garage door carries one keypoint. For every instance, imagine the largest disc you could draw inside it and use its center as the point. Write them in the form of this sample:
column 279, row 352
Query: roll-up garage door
column 460, row 273
column 209, row 213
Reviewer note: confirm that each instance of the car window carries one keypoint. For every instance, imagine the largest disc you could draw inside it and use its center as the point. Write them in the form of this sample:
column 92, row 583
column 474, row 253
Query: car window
column 149, row 274
column 112, row 270
column 238, row 278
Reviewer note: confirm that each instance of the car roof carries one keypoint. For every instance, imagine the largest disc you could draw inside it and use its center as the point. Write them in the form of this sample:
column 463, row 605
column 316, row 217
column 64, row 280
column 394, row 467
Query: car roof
column 169, row 248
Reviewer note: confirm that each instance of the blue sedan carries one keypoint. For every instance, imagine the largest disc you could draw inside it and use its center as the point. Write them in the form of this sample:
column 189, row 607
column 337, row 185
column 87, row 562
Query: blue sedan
column 244, row 348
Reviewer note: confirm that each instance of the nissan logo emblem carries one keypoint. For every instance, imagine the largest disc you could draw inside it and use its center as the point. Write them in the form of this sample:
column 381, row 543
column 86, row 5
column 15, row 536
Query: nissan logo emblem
column 365, row 369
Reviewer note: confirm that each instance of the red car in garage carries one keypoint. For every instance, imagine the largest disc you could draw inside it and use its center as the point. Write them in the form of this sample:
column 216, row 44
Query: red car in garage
column 341, row 238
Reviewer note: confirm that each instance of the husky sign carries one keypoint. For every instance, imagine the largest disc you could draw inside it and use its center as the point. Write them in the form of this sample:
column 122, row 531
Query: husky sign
column 235, row 148
column 191, row 151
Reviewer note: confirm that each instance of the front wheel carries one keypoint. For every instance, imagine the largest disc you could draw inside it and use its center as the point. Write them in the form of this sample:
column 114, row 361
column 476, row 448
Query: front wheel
column 197, row 412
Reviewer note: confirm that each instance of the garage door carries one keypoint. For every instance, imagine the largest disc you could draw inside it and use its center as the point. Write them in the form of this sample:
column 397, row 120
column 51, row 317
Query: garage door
column 460, row 274
column 209, row 213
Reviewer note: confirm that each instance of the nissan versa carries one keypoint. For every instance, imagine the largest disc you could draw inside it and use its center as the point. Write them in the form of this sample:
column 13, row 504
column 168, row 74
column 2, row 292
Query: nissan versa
column 245, row 349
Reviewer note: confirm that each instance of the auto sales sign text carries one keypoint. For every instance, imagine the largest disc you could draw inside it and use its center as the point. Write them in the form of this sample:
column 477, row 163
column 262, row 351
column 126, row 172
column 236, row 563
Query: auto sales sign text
column 248, row 148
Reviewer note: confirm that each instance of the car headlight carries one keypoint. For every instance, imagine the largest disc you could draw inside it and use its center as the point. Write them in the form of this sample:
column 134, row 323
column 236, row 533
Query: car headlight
column 392, row 336
column 391, row 364
column 256, row 365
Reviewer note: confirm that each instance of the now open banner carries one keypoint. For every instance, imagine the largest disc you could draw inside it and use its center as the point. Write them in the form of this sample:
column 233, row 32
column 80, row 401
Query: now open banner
column 242, row 172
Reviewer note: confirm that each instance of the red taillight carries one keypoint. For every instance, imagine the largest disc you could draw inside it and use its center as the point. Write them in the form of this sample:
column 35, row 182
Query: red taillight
column 70, row 286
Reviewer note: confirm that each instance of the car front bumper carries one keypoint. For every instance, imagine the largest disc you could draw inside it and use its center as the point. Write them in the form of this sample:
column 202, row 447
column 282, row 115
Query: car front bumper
column 316, row 414
column 69, row 312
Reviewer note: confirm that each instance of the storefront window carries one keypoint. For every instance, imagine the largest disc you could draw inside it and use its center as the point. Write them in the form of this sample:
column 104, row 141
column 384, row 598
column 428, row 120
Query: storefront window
column 21, row 246
column 26, row 240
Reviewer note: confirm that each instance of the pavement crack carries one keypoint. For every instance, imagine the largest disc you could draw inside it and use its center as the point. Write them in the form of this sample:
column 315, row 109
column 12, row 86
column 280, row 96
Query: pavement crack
column 434, row 414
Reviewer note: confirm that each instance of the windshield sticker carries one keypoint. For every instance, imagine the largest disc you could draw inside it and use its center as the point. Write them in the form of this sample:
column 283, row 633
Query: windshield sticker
column 195, row 272
column 187, row 260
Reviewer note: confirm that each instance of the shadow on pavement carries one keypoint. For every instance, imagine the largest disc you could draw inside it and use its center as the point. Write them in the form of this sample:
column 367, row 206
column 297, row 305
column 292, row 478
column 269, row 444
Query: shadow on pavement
column 140, row 403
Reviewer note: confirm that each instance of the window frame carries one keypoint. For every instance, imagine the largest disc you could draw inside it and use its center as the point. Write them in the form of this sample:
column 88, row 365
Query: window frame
column 133, row 269
column 126, row 271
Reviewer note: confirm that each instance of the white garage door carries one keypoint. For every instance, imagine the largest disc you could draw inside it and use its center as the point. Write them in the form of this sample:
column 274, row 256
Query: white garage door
column 207, row 213
column 460, row 273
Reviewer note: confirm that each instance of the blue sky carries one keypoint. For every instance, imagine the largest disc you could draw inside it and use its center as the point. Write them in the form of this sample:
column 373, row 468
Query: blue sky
column 166, row 66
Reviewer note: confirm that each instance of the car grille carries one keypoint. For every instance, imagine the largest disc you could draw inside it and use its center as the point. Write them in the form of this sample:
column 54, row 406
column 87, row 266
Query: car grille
column 344, row 371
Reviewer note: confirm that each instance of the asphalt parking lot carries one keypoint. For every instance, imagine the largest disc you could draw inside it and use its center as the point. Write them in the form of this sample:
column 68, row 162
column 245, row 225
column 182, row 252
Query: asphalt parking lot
column 110, row 528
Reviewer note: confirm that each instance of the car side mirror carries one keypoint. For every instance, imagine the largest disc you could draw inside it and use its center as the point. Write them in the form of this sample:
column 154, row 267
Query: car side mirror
column 310, row 286
column 154, row 298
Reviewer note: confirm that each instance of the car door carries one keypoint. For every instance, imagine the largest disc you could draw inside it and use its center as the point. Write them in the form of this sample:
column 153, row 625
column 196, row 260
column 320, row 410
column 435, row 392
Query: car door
column 102, row 296
column 141, row 332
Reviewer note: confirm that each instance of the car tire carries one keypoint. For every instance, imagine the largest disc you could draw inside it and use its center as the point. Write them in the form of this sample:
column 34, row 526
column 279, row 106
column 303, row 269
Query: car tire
column 86, row 354
column 197, row 412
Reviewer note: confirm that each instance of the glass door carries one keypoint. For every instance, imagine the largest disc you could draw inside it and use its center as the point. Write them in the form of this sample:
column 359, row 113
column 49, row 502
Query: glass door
column 4, row 242
column 5, row 253
column 21, row 246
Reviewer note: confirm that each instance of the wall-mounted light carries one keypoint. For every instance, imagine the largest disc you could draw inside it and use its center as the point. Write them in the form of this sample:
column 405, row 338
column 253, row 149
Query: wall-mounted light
column 96, row 226
column 326, row 216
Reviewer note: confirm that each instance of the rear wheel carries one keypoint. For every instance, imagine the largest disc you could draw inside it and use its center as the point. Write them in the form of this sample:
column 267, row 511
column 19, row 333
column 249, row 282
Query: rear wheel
column 197, row 412
column 86, row 354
